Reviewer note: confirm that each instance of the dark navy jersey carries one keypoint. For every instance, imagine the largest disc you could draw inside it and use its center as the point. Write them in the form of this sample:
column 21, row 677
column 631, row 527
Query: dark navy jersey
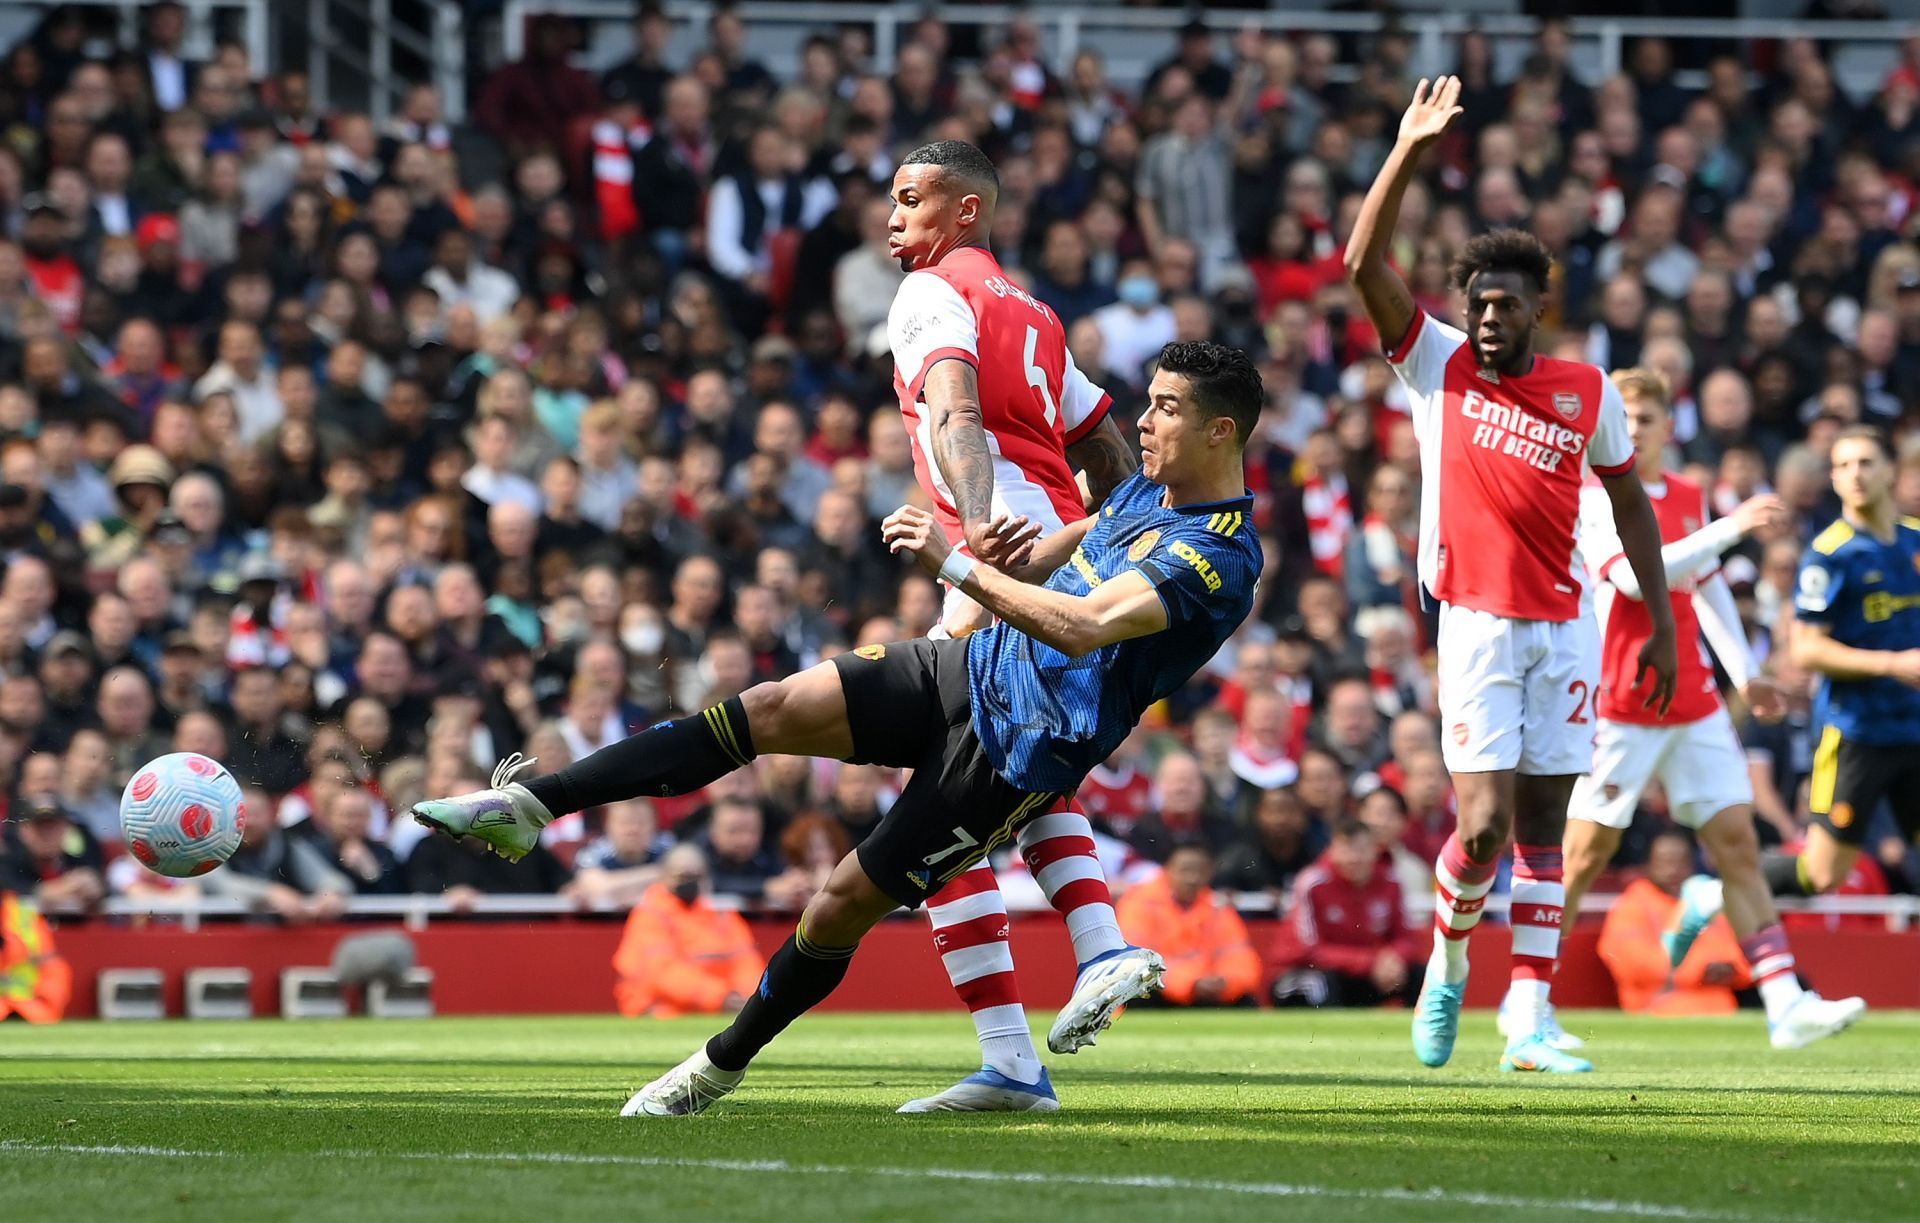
column 1045, row 719
column 1866, row 592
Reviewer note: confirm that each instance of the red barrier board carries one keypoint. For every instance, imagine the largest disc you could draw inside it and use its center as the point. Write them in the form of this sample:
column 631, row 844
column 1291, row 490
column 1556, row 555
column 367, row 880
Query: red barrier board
column 566, row 965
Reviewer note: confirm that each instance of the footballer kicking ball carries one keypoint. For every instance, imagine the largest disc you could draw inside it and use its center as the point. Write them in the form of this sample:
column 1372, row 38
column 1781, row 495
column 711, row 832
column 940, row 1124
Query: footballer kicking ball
column 182, row 815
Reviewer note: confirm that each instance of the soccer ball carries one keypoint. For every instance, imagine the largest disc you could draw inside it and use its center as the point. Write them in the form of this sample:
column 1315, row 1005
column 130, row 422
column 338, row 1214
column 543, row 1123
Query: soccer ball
column 182, row 814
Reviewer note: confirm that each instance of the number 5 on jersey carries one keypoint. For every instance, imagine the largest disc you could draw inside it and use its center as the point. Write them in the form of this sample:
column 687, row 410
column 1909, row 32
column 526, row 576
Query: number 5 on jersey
column 1037, row 377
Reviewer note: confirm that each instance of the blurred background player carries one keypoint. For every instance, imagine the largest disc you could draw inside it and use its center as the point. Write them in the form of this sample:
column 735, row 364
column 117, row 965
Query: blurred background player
column 1691, row 747
column 1857, row 610
column 1505, row 437
column 999, row 418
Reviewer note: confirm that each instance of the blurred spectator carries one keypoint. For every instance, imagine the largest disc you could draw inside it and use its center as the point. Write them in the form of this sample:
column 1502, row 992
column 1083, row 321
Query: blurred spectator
column 1347, row 940
column 1209, row 960
column 35, row 982
column 1384, row 812
column 84, row 792
column 624, row 861
column 1284, row 843
column 740, row 861
column 524, row 102
column 49, row 858
column 1183, row 811
column 680, row 955
column 1630, row 943
column 276, row 872
column 339, row 831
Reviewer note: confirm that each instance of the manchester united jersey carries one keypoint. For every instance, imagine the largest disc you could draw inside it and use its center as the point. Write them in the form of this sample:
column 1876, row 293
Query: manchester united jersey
column 1502, row 458
column 1045, row 719
column 1680, row 507
column 1033, row 401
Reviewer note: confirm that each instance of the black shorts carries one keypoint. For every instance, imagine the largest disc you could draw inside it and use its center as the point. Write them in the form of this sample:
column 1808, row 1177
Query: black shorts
column 1850, row 779
column 908, row 707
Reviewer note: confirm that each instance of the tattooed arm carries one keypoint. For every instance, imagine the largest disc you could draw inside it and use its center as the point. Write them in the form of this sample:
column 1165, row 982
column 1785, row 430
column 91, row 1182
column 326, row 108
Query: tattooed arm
column 960, row 451
column 1102, row 460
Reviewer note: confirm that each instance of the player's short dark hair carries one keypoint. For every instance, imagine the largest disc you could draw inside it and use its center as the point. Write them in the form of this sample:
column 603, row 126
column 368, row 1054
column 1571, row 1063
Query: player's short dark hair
column 1350, row 829
column 1504, row 250
column 962, row 161
column 1872, row 433
column 1225, row 381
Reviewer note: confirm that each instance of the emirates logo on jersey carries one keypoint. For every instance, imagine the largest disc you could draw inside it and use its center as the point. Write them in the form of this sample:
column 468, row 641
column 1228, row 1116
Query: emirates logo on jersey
column 1567, row 404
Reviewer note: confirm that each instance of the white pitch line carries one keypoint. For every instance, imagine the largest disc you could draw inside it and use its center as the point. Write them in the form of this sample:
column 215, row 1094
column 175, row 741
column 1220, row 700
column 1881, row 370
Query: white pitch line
column 781, row 1167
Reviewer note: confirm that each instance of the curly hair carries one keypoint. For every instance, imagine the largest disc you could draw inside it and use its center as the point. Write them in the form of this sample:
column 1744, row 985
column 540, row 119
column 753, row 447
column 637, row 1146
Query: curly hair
column 1503, row 250
column 1225, row 381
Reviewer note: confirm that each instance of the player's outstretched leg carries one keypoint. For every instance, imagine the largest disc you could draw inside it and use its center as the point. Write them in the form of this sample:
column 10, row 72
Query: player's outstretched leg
column 1059, row 851
column 809, row 966
column 668, row 758
column 1460, row 893
column 969, row 920
column 1796, row 1016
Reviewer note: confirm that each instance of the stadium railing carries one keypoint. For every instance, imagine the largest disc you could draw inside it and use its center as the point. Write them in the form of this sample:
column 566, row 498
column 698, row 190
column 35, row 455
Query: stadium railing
column 1900, row 912
column 1126, row 36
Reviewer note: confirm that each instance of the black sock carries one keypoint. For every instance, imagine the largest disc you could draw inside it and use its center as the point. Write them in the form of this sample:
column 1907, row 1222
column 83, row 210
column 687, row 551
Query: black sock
column 799, row 976
column 662, row 761
column 1783, row 874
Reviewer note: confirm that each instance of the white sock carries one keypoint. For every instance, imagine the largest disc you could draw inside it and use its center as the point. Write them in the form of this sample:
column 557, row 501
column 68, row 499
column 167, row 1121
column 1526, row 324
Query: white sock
column 1780, row 992
column 1526, row 1005
column 1449, row 960
column 1006, row 1044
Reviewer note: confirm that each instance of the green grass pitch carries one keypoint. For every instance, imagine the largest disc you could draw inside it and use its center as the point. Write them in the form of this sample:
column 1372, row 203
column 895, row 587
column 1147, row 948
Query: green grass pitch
column 1245, row 1115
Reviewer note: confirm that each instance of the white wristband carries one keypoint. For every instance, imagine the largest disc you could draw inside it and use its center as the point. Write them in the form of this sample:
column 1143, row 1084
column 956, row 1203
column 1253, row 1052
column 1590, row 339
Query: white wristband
column 956, row 568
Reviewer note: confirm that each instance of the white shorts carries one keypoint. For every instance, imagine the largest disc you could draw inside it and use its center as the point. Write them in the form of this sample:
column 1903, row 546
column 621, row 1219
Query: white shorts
column 1700, row 764
column 1516, row 694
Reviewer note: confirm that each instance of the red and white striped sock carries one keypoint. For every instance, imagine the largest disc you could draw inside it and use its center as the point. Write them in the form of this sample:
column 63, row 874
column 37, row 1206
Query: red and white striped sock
column 969, row 919
column 1058, row 849
column 1770, row 960
column 1539, row 896
column 1460, row 892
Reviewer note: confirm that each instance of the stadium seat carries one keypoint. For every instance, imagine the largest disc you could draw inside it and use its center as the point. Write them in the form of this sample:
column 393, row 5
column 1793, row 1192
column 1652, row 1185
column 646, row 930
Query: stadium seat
column 133, row 993
column 311, row 993
column 219, row 993
column 411, row 997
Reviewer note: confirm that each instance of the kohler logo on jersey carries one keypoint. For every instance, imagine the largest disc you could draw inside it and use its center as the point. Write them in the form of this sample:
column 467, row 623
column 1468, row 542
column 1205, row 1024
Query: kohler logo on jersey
column 999, row 287
column 1505, row 428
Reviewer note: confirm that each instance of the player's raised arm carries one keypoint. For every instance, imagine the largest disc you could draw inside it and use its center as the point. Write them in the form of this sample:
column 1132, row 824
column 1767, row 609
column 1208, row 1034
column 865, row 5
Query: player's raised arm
column 1122, row 607
column 1388, row 301
column 1640, row 540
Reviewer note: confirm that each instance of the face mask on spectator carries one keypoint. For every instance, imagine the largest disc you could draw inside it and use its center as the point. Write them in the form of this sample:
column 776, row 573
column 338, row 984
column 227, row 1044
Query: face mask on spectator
column 643, row 639
column 1139, row 291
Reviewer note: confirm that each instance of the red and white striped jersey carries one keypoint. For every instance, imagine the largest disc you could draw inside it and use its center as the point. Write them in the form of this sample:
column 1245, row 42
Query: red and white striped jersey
column 1680, row 507
column 1328, row 505
column 1033, row 401
column 1502, row 458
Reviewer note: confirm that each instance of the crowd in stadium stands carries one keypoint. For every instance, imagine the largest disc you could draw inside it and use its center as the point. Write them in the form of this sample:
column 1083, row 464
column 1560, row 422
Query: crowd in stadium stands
column 363, row 455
